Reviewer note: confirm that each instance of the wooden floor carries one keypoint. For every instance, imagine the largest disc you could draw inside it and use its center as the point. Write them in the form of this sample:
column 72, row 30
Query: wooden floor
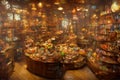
column 21, row 73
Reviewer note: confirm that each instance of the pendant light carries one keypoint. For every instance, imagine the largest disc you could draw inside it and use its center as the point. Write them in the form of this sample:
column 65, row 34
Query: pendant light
column 57, row 2
column 115, row 6
column 40, row 4
column 60, row 8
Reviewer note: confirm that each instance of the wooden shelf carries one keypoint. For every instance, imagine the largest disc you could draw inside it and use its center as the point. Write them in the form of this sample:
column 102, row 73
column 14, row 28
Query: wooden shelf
column 111, row 51
column 108, row 60
column 102, row 74
column 104, row 53
column 112, row 13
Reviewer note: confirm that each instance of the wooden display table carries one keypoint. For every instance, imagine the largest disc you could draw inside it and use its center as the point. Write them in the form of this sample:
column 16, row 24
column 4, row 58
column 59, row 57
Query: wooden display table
column 45, row 69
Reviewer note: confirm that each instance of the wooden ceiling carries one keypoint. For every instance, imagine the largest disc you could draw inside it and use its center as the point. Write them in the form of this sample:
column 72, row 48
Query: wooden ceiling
column 68, row 4
column 26, row 2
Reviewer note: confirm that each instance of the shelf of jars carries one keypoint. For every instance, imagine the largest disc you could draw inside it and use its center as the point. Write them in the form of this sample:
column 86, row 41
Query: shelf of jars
column 104, row 59
column 105, row 70
column 106, row 55
column 6, row 60
column 54, row 55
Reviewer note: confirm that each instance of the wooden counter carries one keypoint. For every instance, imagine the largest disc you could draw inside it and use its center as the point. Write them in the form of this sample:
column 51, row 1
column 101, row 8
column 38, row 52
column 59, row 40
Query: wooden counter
column 45, row 69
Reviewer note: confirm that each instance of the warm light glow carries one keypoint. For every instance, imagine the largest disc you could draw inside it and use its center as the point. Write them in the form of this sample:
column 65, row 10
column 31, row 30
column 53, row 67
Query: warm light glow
column 94, row 16
column 40, row 5
column 73, row 11
column 43, row 16
column 60, row 8
column 78, row 9
column 81, row 1
column 57, row 2
column 33, row 7
column 86, row 10
column 75, row 17
column 40, row 13
column 109, row 21
column 18, row 11
column 115, row 7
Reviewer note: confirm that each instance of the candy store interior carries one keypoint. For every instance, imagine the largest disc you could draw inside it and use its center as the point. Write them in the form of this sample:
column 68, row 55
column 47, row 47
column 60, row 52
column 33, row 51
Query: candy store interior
column 60, row 40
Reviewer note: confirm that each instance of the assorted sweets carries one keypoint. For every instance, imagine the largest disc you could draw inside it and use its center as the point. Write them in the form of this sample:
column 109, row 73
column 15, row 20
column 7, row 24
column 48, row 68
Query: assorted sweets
column 56, row 50
column 43, row 52
column 71, row 53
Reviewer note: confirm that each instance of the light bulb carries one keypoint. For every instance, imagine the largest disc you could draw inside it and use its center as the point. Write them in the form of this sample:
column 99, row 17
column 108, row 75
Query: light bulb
column 60, row 8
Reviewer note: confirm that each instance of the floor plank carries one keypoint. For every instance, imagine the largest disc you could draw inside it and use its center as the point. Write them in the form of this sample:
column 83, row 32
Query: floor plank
column 21, row 73
column 81, row 74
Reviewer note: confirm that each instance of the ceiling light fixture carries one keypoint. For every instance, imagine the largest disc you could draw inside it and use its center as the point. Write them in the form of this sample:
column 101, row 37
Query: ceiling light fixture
column 40, row 5
column 57, row 2
column 60, row 8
